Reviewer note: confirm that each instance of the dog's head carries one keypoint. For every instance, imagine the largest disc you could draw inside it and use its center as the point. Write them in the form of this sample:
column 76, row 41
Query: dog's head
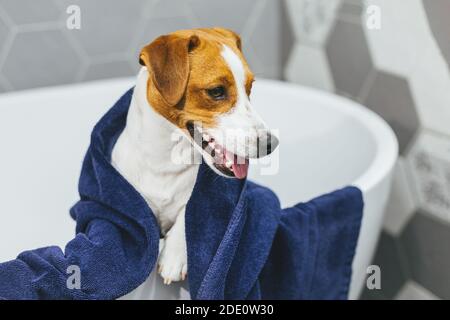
column 200, row 81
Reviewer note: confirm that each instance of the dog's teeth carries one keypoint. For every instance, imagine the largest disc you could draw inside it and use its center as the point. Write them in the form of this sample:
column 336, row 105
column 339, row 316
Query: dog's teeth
column 228, row 163
column 205, row 137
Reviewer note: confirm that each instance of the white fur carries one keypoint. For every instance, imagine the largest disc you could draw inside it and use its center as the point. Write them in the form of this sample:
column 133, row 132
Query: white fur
column 143, row 155
column 161, row 169
column 240, row 128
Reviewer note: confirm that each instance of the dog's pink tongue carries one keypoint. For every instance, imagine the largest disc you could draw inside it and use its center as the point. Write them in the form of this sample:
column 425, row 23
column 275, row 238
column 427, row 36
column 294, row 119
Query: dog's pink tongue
column 240, row 167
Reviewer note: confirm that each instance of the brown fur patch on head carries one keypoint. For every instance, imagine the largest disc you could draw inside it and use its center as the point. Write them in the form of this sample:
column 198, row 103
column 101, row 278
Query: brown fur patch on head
column 183, row 66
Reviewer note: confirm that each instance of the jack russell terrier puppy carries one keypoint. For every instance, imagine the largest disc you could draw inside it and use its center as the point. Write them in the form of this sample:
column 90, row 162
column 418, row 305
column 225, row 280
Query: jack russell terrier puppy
column 196, row 82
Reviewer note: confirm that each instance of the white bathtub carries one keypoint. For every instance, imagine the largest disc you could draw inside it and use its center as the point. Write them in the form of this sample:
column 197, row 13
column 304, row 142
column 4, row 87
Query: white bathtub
column 326, row 142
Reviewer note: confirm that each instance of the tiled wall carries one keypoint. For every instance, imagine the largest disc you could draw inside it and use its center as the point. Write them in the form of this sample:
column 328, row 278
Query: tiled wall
column 402, row 72
column 37, row 49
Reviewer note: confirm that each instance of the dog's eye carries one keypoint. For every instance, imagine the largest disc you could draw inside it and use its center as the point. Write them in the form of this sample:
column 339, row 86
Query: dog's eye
column 217, row 93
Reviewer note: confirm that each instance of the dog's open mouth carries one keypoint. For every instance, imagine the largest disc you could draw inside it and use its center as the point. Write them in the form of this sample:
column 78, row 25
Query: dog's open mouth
column 225, row 161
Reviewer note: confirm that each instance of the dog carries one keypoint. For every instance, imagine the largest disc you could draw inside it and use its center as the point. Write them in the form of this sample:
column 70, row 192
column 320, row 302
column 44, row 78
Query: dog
column 196, row 82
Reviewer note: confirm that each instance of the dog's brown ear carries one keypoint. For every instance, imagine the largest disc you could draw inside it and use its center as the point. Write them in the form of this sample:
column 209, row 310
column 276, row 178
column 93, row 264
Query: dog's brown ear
column 167, row 60
column 230, row 34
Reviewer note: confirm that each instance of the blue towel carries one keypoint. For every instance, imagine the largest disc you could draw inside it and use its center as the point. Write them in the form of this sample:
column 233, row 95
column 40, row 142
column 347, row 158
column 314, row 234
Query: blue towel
column 240, row 243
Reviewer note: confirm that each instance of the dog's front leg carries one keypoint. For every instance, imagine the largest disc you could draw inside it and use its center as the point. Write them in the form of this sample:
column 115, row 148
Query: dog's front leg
column 172, row 263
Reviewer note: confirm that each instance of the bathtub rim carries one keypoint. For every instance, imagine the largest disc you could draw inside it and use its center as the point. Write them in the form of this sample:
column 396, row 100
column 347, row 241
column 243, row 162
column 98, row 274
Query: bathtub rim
column 383, row 135
column 376, row 172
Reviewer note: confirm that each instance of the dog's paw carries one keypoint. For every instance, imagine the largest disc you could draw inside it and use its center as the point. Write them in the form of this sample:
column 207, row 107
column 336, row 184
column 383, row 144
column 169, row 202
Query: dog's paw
column 172, row 263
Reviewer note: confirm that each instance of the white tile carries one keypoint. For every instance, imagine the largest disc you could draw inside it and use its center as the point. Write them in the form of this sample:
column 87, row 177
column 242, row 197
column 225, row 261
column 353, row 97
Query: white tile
column 430, row 87
column 406, row 46
column 309, row 66
column 402, row 203
column 397, row 44
column 413, row 291
column 268, row 24
column 312, row 20
column 429, row 167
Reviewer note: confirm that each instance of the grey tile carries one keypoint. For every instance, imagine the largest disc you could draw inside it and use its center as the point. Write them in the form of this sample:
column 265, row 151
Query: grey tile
column 437, row 12
column 4, row 85
column 372, row 295
column 107, row 26
column 287, row 41
column 31, row 11
column 223, row 13
column 393, row 265
column 167, row 8
column 4, row 31
column 250, row 54
column 349, row 57
column 271, row 39
column 426, row 241
column 390, row 97
column 351, row 8
column 40, row 58
column 106, row 70
column 360, row 3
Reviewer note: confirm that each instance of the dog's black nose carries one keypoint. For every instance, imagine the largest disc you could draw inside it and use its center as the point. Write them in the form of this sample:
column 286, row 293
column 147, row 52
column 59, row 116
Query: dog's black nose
column 272, row 143
column 266, row 145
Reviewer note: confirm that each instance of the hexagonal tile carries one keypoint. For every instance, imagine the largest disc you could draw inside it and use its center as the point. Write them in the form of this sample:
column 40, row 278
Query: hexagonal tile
column 390, row 54
column 437, row 12
column 349, row 57
column 231, row 14
column 309, row 66
column 390, row 97
column 312, row 20
column 31, row 11
column 402, row 201
column 393, row 265
column 426, row 240
column 416, row 57
column 47, row 57
column 107, row 26
column 270, row 26
column 414, row 291
column 112, row 69
column 429, row 166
